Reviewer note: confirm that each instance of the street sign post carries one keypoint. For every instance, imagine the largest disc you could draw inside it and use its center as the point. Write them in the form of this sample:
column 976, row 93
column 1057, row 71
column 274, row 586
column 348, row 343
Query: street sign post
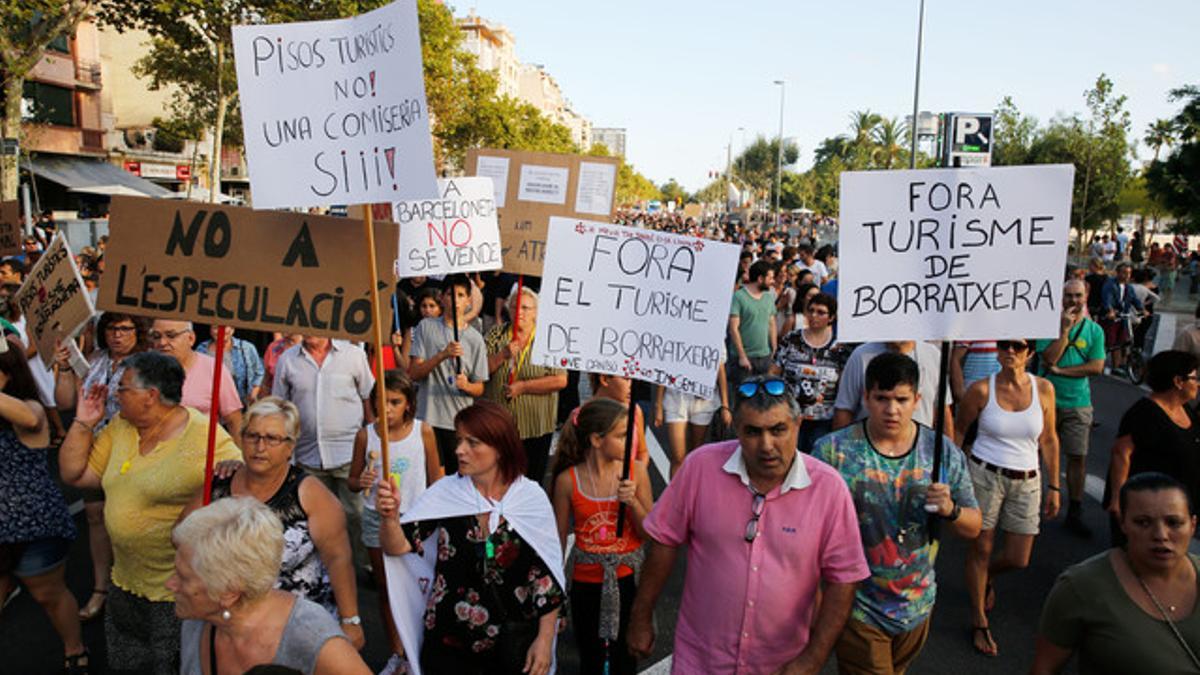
column 968, row 140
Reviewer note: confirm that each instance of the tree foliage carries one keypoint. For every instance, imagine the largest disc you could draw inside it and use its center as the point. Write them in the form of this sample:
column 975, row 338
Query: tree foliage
column 27, row 27
column 1175, row 180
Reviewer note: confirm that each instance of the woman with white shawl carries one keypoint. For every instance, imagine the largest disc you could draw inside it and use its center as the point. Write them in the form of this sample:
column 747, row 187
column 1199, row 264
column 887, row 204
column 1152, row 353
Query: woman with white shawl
column 484, row 596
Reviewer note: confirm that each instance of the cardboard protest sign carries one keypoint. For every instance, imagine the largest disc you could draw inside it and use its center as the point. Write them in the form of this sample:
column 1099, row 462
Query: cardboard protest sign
column 264, row 270
column 937, row 254
column 53, row 299
column 692, row 210
column 530, row 187
column 334, row 112
column 11, row 232
column 638, row 303
column 457, row 232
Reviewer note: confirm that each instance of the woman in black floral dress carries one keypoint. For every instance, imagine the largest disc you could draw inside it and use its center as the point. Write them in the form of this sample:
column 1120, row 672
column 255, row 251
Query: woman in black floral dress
column 497, row 583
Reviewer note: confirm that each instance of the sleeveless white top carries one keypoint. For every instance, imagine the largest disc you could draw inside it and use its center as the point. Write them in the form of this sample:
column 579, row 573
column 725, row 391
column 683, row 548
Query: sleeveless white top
column 1009, row 439
column 407, row 457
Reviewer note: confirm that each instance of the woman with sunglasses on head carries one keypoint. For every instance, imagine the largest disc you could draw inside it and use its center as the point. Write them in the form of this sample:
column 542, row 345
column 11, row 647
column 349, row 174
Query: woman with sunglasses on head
column 316, row 552
column 811, row 362
column 1015, row 411
column 1158, row 433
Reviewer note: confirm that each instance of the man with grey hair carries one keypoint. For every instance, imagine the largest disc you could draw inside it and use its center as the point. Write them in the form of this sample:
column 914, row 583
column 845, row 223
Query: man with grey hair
column 765, row 528
column 177, row 339
column 1068, row 361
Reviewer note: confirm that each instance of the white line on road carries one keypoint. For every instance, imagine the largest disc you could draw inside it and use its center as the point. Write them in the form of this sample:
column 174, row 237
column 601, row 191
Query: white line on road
column 1094, row 487
column 661, row 668
column 657, row 457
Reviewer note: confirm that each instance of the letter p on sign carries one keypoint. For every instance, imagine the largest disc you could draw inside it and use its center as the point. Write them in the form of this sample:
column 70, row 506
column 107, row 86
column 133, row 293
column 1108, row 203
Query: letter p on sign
column 963, row 127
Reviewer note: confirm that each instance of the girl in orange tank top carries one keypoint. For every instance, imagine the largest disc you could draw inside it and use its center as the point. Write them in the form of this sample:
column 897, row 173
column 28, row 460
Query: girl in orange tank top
column 587, row 493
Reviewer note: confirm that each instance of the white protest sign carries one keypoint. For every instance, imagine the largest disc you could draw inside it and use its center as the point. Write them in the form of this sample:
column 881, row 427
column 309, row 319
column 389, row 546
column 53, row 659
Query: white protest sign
column 637, row 303
column 54, row 300
column 938, row 254
column 457, row 232
column 334, row 111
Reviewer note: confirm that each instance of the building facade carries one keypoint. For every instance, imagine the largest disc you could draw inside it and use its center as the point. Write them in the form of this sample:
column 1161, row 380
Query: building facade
column 612, row 138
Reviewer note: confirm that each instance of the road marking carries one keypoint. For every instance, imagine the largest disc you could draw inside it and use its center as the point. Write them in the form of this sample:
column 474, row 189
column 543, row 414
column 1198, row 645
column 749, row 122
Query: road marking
column 658, row 458
column 1094, row 487
column 660, row 668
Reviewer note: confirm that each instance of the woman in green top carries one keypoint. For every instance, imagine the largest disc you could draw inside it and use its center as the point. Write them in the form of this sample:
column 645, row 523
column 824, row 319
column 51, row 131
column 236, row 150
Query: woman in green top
column 1131, row 610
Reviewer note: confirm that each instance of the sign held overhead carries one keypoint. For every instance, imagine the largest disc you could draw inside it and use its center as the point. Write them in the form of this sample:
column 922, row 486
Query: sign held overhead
column 948, row 254
column 638, row 303
column 53, row 299
column 454, row 233
column 334, row 111
column 530, row 187
column 239, row 267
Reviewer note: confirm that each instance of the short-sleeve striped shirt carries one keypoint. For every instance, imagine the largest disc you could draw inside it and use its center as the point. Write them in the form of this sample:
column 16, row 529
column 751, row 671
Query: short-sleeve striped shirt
column 536, row 414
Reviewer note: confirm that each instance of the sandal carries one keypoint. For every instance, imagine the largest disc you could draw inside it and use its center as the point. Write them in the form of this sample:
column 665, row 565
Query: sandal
column 77, row 664
column 93, row 607
column 987, row 634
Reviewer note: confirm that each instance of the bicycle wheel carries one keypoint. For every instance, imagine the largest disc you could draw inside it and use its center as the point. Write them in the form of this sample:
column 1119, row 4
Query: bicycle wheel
column 1137, row 366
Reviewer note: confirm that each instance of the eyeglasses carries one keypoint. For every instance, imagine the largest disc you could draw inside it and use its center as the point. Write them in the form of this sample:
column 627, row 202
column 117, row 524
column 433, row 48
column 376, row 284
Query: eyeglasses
column 773, row 386
column 122, row 389
column 756, row 510
column 1011, row 346
column 817, row 311
column 269, row 440
column 120, row 329
column 170, row 335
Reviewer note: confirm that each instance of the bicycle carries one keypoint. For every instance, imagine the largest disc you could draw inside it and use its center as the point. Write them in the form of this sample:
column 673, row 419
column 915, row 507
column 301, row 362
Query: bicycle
column 1133, row 357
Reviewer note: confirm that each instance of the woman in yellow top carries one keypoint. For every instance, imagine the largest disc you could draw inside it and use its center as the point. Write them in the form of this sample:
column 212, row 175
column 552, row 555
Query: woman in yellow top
column 532, row 395
column 150, row 461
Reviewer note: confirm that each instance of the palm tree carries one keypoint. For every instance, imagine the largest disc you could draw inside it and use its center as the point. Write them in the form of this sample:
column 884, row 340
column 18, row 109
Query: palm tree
column 889, row 136
column 1158, row 134
column 862, row 128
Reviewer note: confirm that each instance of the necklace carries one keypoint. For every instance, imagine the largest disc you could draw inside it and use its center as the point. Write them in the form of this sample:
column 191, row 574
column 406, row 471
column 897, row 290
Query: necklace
column 1166, row 617
column 1153, row 598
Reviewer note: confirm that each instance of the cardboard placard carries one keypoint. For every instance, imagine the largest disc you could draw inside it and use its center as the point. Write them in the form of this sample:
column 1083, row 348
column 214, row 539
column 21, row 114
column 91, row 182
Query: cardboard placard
column 692, row 210
column 53, row 299
column 953, row 254
column 638, row 303
column 457, row 232
column 533, row 186
column 334, row 111
column 11, row 230
column 263, row 270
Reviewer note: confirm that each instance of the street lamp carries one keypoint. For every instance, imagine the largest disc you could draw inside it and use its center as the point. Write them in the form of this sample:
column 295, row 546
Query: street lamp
column 729, row 164
column 779, row 159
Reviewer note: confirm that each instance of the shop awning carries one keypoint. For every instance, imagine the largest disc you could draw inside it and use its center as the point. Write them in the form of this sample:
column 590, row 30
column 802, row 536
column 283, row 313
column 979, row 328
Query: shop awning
column 91, row 176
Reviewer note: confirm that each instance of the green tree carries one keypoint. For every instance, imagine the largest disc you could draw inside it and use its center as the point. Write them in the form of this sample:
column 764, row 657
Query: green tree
column 672, row 191
column 27, row 27
column 862, row 132
column 756, row 165
column 888, row 136
column 1012, row 134
column 1173, row 180
column 1099, row 148
column 1159, row 134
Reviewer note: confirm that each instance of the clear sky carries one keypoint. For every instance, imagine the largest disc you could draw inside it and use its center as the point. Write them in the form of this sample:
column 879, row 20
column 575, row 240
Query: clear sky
column 682, row 77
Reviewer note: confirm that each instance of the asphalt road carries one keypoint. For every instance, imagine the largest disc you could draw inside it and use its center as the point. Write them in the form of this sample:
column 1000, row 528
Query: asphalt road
column 29, row 646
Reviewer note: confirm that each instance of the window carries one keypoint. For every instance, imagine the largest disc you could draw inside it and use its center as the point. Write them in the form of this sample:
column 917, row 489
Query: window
column 60, row 44
column 47, row 104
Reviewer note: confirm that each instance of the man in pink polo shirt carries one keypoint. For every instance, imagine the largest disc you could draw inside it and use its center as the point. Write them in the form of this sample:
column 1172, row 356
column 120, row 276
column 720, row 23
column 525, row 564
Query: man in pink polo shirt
column 764, row 527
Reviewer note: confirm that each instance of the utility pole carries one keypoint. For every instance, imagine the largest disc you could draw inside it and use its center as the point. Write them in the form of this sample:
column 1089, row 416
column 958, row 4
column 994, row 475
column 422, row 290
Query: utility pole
column 779, row 158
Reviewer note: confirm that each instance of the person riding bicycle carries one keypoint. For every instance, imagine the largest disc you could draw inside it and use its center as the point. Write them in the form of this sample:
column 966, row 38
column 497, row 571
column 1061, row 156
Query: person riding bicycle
column 1119, row 302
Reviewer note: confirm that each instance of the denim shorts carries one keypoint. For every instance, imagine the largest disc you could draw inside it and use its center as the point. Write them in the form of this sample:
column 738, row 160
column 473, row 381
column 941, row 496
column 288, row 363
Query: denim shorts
column 42, row 555
column 370, row 527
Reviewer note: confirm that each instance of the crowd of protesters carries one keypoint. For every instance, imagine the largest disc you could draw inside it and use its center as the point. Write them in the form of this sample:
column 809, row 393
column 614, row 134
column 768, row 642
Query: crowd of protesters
column 801, row 492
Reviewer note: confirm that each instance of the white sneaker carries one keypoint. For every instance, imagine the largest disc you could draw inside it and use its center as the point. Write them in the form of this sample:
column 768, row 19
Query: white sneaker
column 396, row 665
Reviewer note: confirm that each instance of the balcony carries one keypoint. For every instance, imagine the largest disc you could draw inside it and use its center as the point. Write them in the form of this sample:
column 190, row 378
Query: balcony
column 87, row 75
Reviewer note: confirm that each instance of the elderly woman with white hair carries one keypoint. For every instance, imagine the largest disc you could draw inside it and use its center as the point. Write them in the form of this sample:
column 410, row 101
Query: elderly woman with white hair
column 528, row 390
column 316, row 563
column 227, row 558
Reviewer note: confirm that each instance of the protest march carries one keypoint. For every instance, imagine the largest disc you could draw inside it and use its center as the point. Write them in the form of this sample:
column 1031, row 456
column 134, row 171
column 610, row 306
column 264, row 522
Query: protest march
column 422, row 378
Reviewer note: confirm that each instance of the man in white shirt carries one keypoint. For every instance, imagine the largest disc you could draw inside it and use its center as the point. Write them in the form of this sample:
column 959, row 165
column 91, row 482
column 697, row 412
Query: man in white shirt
column 808, row 261
column 330, row 382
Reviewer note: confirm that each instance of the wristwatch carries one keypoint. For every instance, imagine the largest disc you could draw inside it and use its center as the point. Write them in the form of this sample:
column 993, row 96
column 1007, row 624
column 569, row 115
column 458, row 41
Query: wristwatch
column 954, row 514
column 355, row 620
